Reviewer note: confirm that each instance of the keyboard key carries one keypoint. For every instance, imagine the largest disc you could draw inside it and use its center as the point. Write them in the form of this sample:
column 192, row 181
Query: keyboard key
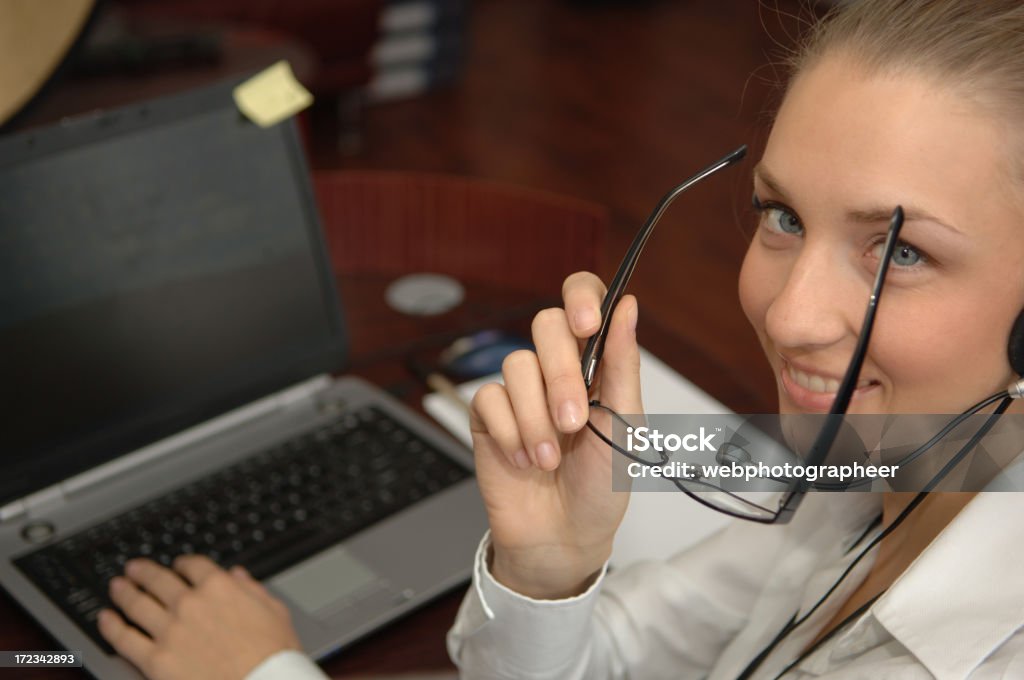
column 268, row 512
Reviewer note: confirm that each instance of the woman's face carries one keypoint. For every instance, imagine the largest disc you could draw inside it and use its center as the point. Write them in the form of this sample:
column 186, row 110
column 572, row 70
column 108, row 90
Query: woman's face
column 845, row 149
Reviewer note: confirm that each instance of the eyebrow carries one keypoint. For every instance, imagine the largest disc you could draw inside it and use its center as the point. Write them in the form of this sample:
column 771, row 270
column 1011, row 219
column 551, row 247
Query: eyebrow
column 872, row 215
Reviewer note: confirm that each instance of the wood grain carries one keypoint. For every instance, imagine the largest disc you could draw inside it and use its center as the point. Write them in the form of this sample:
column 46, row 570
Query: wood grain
column 615, row 103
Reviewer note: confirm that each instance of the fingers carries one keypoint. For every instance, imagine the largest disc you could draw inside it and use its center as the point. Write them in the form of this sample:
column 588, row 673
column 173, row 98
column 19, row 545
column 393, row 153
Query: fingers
column 491, row 415
column 582, row 294
column 139, row 606
column 544, row 394
column 196, row 568
column 525, row 386
column 559, row 356
column 243, row 576
column 620, row 365
column 161, row 583
column 251, row 585
column 221, row 628
column 126, row 641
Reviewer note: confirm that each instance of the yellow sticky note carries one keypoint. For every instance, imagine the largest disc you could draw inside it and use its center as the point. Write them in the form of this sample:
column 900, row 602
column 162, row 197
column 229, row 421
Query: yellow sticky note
column 272, row 95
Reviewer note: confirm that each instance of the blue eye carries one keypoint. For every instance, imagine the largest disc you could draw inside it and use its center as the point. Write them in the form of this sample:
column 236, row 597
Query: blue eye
column 782, row 220
column 905, row 255
column 778, row 218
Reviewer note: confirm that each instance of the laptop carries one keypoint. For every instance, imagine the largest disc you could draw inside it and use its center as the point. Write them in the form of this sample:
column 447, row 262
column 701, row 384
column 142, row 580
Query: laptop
column 168, row 330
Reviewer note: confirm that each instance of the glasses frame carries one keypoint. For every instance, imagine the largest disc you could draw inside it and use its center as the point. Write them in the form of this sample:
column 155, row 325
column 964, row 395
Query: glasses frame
column 792, row 497
column 595, row 344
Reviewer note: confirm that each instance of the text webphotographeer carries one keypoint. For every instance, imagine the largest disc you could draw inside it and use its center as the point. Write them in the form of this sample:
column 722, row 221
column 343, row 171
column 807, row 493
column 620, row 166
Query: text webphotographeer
column 680, row 470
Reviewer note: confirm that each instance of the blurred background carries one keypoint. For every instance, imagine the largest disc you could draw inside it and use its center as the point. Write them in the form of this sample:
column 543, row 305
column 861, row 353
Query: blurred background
column 610, row 102
column 504, row 142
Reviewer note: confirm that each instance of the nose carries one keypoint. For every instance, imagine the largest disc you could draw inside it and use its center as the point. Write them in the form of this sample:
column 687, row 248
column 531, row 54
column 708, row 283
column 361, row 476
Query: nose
column 820, row 303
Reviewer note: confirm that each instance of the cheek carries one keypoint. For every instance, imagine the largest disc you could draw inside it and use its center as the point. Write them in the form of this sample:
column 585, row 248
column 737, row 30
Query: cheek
column 941, row 358
column 756, row 288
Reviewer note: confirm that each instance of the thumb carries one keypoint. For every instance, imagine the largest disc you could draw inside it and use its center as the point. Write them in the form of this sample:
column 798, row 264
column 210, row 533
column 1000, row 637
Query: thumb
column 620, row 364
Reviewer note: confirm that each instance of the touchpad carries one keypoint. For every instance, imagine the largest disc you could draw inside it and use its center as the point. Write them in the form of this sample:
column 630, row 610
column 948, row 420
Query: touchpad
column 330, row 580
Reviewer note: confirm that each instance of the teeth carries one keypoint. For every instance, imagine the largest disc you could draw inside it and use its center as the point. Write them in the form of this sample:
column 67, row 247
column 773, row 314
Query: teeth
column 816, row 383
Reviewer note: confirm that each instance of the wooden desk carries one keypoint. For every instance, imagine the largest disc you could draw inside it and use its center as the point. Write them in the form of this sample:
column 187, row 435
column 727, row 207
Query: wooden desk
column 381, row 341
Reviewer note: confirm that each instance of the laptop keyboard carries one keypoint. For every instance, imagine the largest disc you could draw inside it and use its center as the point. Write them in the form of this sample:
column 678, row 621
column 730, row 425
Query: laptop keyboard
column 267, row 512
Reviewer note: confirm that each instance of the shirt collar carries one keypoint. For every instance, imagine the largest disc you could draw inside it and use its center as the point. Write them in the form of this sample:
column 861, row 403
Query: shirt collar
column 964, row 595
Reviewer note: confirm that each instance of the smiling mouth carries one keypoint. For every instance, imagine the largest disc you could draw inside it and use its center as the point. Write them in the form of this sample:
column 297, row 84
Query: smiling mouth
column 818, row 384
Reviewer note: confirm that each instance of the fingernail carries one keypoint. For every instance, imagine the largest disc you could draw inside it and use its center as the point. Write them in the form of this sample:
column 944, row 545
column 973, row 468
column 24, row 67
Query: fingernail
column 521, row 459
column 569, row 416
column 116, row 583
column 131, row 566
column 105, row 617
column 633, row 318
column 547, row 458
column 584, row 319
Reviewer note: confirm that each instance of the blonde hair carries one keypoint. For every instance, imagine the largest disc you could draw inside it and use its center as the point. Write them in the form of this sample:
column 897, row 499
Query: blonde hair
column 973, row 46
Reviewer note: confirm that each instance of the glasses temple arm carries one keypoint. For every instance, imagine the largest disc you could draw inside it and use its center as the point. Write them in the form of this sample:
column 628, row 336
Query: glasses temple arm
column 595, row 344
column 829, row 431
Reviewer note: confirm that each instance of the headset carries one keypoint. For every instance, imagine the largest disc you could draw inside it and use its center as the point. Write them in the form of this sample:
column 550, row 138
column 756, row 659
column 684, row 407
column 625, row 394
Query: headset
column 1016, row 348
column 1015, row 353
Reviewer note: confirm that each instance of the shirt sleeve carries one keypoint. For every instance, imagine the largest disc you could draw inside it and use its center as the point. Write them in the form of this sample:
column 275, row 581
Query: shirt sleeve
column 287, row 665
column 652, row 619
column 499, row 633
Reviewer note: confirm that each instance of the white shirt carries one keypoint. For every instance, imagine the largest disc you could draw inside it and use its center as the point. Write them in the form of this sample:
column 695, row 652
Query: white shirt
column 287, row 665
column 956, row 612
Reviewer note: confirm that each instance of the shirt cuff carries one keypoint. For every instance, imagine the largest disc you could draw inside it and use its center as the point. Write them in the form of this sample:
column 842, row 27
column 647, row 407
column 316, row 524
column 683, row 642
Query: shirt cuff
column 287, row 664
column 519, row 636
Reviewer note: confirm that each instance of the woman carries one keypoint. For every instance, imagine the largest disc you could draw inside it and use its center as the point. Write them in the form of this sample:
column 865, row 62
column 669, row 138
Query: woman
column 911, row 103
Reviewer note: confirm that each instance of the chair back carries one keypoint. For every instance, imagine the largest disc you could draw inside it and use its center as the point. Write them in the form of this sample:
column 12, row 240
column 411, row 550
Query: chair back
column 473, row 230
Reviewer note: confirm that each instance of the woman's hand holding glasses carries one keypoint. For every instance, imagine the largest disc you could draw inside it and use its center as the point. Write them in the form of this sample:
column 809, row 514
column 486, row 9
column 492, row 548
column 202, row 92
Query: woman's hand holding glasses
column 545, row 478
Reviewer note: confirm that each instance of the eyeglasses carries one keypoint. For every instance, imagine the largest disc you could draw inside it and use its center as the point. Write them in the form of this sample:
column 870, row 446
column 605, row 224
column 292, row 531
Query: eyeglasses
column 770, row 507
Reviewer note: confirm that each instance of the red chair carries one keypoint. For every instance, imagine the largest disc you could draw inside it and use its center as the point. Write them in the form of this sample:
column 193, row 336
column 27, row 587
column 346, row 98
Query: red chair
column 474, row 230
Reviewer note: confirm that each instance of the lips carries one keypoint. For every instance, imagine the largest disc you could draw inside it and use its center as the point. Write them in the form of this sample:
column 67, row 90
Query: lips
column 816, row 382
column 813, row 391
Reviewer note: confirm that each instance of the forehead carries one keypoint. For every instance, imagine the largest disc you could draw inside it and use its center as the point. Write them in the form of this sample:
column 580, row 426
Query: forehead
column 845, row 138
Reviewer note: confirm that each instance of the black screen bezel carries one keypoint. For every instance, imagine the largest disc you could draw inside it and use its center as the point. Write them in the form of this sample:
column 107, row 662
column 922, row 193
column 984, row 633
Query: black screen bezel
column 23, row 477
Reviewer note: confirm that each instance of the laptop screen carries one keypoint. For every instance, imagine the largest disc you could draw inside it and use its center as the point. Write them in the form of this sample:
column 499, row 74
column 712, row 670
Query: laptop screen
column 158, row 265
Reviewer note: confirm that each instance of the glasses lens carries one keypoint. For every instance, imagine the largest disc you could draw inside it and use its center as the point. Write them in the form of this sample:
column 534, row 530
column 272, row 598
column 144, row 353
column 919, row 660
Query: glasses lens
column 759, row 506
column 644, row 462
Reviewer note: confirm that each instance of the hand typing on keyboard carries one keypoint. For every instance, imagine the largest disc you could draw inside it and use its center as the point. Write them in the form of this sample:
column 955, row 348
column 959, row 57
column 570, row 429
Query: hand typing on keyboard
column 202, row 621
column 266, row 512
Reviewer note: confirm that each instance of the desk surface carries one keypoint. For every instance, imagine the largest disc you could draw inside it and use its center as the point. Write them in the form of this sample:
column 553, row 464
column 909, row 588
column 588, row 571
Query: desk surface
column 381, row 342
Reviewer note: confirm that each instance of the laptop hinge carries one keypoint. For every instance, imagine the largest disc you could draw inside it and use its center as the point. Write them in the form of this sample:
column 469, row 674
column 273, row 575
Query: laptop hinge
column 55, row 495
column 38, row 502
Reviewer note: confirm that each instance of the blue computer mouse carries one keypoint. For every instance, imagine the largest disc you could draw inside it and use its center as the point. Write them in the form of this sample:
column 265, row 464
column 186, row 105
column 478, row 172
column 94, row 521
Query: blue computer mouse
column 481, row 354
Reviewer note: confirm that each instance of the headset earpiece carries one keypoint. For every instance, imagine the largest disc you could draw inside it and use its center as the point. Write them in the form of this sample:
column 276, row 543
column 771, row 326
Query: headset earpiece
column 1016, row 349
